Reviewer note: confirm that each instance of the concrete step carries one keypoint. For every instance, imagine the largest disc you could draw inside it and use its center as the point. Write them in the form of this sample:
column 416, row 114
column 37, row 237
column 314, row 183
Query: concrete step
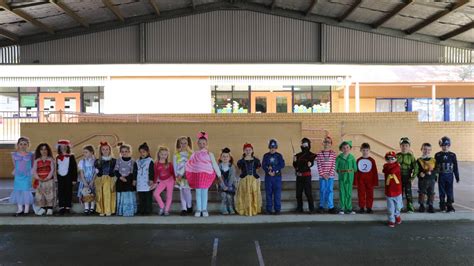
column 213, row 206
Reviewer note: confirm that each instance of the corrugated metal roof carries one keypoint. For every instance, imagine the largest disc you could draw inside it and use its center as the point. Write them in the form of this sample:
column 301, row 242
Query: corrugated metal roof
column 99, row 16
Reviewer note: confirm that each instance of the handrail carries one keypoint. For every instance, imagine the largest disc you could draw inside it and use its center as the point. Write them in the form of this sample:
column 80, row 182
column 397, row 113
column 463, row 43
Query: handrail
column 79, row 143
column 132, row 117
column 369, row 137
column 317, row 129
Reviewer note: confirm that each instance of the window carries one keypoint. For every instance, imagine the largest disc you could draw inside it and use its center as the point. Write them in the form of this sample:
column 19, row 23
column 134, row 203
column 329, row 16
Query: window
column 456, row 109
column 391, row 105
column 281, row 104
column 383, row 105
column 469, row 109
column 261, row 104
column 312, row 99
column 424, row 108
column 92, row 99
column 9, row 100
column 230, row 99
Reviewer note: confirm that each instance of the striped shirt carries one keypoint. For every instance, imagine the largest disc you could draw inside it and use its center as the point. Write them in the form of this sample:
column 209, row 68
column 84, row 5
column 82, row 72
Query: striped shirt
column 326, row 161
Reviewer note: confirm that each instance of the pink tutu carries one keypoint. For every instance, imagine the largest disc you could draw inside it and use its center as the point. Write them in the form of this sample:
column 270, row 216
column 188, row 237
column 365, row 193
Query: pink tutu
column 200, row 180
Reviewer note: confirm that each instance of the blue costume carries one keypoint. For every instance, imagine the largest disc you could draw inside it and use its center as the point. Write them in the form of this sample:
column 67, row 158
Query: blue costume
column 273, row 162
column 447, row 167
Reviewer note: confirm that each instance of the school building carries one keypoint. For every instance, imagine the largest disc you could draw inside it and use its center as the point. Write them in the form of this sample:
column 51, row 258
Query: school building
column 361, row 70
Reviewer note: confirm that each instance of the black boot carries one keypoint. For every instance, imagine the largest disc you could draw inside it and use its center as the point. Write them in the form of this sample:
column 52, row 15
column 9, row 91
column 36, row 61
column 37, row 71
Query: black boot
column 431, row 209
column 422, row 208
column 190, row 210
column 442, row 206
column 361, row 210
column 369, row 210
column 450, row 209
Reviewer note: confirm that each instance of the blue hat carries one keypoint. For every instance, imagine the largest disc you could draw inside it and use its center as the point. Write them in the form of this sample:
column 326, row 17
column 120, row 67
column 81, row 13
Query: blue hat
column 445, row 141
column 272, row 144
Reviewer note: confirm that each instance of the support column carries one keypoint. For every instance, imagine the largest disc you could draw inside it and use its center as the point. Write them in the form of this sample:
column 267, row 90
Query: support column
column 346, row 95
column 357, row 97
column 433, row 101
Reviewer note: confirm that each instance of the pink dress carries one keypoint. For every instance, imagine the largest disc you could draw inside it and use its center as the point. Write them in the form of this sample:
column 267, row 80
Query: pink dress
column 199, row 170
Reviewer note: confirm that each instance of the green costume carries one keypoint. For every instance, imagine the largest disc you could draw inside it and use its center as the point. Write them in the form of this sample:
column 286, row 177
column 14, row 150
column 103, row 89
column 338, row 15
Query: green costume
column 346, row 168
column 409, row 170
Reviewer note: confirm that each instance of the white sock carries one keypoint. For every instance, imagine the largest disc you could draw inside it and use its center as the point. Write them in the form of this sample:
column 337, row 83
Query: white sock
column 27, row 208
column 86, row 205
column 93, row 205
column 20, row 208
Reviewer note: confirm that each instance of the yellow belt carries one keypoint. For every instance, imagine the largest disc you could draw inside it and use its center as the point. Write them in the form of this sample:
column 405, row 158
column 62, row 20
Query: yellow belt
column 390, row 177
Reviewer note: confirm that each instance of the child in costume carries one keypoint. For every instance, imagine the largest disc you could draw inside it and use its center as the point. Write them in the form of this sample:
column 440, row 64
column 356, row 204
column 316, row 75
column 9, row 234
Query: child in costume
column 227, row 184
column 447, row 167
column 66, row 172
column 272, row 164
column 23, row 163
column 87, row 173
column 346, row 167
column 366, row 178
column 393, row 188
column 326, row 162
column 164, row 178
column 184, row 150
column 144, row 174
column 426, row 178
column 105, row 181
column 248, row 197
column 302, row 162
column 43, row 174
column 201, row 170
column 409, row 168
column 126, row 200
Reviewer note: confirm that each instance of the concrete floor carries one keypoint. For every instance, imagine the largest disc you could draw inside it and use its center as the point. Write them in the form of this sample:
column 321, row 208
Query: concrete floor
column 370, row 243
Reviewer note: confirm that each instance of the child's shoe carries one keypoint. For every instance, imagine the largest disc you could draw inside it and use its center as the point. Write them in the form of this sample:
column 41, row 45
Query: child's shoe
column 86, row 212
column 166, row 214
column 450, row 209
column 190, row 210
column 162, row 212
column 422, row 208
column 369, row 210
column 184, row 213
column 398, row 219
column 224, row 212
column 341, row 212
column 332, row 211
column 49, row 212
column 431, row 209
column 410, row 208
column 320, row 210
column 40, row 212
column 361, row 211
column 391, row 224
column 205, row 214
column 442, row 206
column 197, row 214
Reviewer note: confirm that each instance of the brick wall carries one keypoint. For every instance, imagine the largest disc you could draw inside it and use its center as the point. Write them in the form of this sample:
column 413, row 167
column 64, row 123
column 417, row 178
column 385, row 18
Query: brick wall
column 386, row 128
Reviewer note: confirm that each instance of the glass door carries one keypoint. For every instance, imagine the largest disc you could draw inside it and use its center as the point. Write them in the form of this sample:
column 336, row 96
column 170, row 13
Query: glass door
column 271, row 102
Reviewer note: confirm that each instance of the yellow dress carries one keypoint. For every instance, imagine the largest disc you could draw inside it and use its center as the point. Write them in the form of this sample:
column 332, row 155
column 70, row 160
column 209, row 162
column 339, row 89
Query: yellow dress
column 105, row 194
column 248, row 198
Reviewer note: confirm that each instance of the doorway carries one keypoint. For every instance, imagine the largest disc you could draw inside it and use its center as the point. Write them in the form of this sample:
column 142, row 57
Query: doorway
column 271, row 102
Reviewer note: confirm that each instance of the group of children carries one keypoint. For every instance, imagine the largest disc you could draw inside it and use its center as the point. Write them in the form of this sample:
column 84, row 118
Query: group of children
column 114, row 186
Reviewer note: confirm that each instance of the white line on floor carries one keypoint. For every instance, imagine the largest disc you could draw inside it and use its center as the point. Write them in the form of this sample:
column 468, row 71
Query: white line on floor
column 462, row 206
column 259, row 254
column 214, row 252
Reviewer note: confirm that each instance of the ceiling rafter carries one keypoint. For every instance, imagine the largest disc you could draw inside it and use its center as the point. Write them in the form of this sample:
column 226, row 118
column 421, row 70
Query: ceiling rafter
column 353, row 7
column 114, row 9
column 59, row 4
column 392, row 13
column 458, row 31
column 24, row 16
column 453, row 7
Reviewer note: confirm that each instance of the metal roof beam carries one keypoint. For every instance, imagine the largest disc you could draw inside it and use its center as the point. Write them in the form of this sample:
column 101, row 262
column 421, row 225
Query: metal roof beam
column 273, row 5
column 437, row 16
column 353, row 7
column 311, row 7
column 458, row 31
column 155, row 7
column 64, row 8
column 114, row 9
column 26, row 17
column 392, row 13
column 9, row 35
